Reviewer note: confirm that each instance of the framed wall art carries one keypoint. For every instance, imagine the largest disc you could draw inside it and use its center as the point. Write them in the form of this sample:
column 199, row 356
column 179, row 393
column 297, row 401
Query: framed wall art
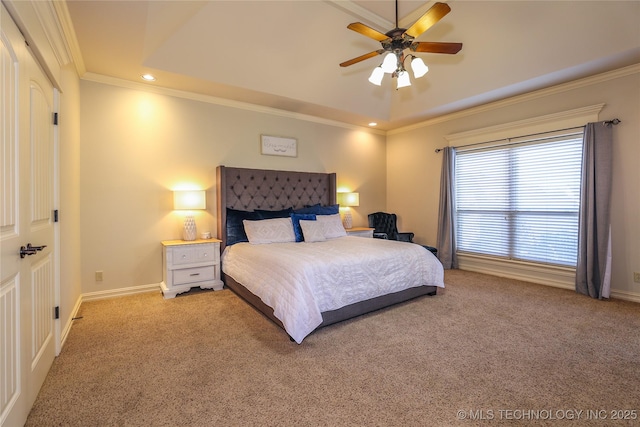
column 278, row 146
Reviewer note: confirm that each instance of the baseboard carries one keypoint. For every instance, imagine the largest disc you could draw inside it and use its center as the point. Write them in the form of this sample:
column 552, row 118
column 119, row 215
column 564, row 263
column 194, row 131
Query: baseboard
column 557, row 277
column 112, row 293
column 626, row 295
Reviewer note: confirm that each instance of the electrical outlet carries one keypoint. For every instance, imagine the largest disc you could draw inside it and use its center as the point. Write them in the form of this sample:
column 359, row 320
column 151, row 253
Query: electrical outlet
column 99, row 276
column 636, row 277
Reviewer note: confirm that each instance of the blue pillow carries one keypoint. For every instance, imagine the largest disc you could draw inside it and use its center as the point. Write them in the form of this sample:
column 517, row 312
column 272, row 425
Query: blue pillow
column 297, row 230
column 319, row 210
column 284, row 213
column 235, row 228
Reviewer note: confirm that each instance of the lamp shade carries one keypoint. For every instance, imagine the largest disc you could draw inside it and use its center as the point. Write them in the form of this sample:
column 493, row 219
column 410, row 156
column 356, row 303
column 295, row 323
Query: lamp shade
column 403, row 79
column 189, row 200
column 390, row 63
column 376, row 76
column 349, row 199
column 419, row 67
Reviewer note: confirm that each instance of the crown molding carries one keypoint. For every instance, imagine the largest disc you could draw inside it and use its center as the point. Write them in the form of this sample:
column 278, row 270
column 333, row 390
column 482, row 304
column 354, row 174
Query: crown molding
column 561, row 88
column 113, row 81
column 561, row 120
column 48, row 17
column 72, row 45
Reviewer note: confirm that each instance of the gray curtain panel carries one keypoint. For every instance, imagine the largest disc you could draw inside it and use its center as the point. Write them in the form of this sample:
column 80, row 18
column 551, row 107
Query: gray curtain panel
column 593, row 270
column 446, row 243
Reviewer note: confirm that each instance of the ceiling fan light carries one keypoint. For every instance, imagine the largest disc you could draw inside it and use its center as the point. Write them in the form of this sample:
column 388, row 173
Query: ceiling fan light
column 376, row 76
column 403, row 79
column 390, row 63
column 419, row 67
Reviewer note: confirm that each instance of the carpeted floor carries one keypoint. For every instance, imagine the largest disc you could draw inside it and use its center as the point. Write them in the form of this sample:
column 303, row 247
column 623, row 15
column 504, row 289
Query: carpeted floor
column 484, row 351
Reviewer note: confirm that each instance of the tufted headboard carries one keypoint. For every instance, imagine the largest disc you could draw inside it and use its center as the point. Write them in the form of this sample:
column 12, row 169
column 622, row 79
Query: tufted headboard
column 249, row 189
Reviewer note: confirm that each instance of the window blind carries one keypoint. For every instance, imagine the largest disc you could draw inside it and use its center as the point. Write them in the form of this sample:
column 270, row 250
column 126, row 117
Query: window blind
column 521, row 200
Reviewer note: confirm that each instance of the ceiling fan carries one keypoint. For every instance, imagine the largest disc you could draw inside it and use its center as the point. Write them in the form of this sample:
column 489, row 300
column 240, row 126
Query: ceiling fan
column 396, row 41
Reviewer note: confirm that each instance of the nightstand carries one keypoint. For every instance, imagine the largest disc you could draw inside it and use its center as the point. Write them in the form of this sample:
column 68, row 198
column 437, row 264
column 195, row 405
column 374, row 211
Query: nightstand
column 360, row 231
column 189, row 264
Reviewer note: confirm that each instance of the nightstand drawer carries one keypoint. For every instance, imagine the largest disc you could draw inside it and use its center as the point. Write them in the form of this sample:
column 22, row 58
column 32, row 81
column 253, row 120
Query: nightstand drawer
column 195, row 253
column 191, row 275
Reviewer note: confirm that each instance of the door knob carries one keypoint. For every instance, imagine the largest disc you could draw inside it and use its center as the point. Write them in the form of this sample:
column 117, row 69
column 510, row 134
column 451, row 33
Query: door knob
column 37, row 248
column 30, row 250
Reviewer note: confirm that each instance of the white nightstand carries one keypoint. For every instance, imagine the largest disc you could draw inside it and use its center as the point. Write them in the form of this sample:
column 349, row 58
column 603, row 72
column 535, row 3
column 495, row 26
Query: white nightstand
column 187, row 264
column 360, row 231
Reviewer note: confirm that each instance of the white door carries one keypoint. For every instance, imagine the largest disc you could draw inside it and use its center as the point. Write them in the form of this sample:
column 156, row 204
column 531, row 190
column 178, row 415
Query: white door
column 27, row 282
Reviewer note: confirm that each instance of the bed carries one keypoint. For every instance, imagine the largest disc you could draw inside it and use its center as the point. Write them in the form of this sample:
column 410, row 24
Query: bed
column 241, row 191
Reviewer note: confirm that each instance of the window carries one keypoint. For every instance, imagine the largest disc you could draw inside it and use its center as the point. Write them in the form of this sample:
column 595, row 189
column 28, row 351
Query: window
column 520, row 200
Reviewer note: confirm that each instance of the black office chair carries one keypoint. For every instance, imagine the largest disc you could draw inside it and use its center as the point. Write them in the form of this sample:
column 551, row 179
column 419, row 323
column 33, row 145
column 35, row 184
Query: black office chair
column 385, row 227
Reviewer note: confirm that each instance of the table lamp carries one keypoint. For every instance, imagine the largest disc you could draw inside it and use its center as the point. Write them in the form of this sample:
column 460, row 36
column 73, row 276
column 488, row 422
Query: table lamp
column 189, row 201
column 348, row 200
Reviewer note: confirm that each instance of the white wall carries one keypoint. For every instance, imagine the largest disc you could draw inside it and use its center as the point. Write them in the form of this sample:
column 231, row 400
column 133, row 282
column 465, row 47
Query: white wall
column 413, row 168
column 137, row 145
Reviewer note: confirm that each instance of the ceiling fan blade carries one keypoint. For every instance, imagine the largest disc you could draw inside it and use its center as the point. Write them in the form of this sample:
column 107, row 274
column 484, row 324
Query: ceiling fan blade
column 436, row 47
column 365, row 30
column 362, row 58
column 426, row 21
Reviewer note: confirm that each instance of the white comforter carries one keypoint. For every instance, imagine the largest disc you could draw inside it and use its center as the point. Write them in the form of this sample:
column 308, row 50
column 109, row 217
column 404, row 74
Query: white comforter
column 301, row 280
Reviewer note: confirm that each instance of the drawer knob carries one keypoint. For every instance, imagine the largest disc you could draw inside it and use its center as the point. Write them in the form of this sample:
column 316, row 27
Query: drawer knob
column 184, row 256
column 206, row 254
column 194, row 274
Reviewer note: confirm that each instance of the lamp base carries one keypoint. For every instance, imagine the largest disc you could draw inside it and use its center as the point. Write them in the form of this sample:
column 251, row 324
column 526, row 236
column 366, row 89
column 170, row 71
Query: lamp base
column 347, row 220
column 189, row 231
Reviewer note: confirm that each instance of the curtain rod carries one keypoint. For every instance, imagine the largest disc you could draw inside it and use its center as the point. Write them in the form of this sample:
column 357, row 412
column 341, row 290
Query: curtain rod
column 604, row 123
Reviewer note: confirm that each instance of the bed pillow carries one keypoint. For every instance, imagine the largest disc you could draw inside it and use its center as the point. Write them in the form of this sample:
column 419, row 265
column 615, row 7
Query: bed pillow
column 307, row 209
column 313, row 231
column 295, row 219
column 319, row 210
column 332, row 226
column 283, row 213
column 235, row 228
column 276, row 230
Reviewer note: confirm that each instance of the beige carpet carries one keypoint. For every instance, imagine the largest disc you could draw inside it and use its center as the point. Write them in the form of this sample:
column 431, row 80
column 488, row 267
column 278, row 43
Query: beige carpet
column 495, row 350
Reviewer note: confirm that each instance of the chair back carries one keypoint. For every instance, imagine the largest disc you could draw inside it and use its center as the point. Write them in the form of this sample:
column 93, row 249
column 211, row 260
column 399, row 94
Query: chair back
column 383, row 222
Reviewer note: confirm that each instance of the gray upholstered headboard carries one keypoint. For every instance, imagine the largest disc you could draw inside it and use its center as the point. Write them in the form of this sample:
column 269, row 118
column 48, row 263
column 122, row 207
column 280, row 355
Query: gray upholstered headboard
column 249, row 189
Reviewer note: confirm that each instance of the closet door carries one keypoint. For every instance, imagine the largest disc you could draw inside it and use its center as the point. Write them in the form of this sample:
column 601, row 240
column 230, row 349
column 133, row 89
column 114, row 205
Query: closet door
column 27, row 257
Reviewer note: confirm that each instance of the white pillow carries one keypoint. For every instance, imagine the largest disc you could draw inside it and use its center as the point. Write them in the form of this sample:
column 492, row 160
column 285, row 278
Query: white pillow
column 313, row 231
column 332, row 225
column 276, row 230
